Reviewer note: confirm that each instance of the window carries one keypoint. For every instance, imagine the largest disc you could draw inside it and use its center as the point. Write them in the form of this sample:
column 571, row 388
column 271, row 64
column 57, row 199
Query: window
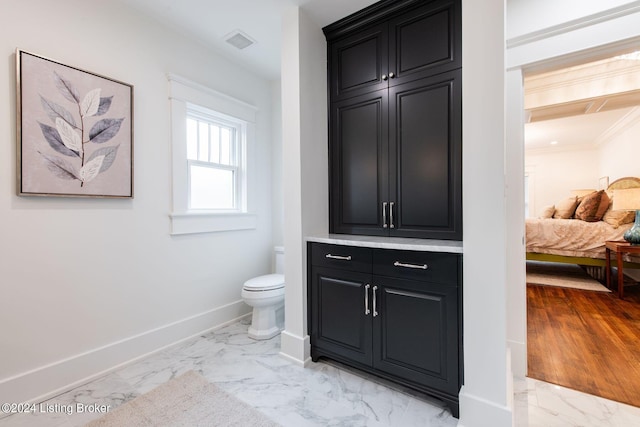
column 214, row 156
column 211, row 143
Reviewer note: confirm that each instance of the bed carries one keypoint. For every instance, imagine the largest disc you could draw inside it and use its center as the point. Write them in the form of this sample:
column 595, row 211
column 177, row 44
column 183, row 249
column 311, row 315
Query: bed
column 575, row 241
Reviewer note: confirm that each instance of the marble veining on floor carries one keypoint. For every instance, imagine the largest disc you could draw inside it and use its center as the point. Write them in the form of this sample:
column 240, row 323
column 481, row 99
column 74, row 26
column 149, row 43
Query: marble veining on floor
column 319, row 395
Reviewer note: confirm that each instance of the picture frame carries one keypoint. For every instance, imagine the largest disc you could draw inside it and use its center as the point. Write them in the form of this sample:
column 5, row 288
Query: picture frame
column 603, row 183
column 74, row 131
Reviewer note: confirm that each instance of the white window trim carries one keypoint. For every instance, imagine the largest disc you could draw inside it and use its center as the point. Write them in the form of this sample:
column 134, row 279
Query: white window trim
column 183, row 95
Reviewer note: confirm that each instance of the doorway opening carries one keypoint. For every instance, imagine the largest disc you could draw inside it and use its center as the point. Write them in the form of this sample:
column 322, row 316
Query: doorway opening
column 582, row 122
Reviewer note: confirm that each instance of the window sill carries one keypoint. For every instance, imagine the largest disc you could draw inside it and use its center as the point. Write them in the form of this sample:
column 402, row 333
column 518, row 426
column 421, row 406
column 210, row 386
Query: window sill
column 209, row 222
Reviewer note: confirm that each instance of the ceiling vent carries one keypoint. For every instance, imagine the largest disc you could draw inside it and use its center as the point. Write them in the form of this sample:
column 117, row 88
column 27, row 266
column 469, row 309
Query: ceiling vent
column 238, row 39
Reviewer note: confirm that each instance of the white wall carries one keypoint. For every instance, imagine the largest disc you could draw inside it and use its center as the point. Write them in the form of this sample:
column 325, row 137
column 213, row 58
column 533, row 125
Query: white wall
column 618, row 158
column 486, row 396
column 90, row 283
column 276, row 165
column 306, row 197
column 553, row 174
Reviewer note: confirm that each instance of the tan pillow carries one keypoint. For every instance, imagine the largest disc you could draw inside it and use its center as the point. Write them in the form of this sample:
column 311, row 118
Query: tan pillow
column 565, row 208
column 618, row 218
column 547, row 212
column 593, row 206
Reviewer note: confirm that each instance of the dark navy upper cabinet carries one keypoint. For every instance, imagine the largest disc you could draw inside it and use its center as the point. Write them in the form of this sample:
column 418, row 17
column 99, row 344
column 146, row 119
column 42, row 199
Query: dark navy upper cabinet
column 391, row 43
column 425, row 152
column 425, row 41
column 359, row 159
column 358, row 63
column 395, row 121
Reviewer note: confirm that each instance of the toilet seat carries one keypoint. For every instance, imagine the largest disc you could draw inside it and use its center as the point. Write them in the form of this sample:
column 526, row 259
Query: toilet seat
column 268, row 282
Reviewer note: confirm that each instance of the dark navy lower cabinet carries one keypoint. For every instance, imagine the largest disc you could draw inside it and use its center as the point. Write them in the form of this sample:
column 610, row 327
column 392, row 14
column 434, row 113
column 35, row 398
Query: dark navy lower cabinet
column 396, row 314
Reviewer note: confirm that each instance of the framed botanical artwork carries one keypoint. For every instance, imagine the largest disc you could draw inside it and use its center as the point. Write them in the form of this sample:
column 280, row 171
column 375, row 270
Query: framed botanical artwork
column 75, row 131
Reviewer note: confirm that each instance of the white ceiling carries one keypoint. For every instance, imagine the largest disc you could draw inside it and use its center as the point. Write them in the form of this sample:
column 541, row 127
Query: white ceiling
column 583, row 105
column 211, row 20
column 576, row 132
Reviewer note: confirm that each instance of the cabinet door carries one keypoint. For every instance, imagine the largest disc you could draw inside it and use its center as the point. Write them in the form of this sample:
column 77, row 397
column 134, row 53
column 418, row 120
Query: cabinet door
column 339, row 319
column 358, row 63
column 425, row 157
column 416, row 332
column 425, row 42
column 359, row 158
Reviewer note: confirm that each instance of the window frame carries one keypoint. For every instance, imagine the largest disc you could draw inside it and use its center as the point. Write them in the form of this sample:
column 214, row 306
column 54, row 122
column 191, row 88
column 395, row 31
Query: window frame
column 237, row 152
column 187, row 97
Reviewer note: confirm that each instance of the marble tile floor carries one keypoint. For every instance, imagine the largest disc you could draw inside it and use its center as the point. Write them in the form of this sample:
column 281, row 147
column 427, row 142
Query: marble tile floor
column 320, row 395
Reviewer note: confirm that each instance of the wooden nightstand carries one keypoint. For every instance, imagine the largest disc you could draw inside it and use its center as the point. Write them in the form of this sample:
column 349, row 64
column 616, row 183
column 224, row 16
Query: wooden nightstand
column 620, row 247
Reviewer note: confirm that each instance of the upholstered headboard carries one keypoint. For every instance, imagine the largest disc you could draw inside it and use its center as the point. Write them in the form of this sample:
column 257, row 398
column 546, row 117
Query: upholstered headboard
column 622, row 183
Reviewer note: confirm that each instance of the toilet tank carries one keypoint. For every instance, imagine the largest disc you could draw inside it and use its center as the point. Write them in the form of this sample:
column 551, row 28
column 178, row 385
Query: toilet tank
column 278, row 260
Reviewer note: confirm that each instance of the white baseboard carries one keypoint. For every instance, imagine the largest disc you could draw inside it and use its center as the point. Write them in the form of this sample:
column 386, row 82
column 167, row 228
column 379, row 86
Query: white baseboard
column 296, row 349
column 50, row 380
column 518, row 358
column 476, row 411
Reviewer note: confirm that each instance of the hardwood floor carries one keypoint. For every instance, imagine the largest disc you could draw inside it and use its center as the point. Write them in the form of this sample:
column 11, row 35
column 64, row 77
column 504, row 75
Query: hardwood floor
column 585, row 340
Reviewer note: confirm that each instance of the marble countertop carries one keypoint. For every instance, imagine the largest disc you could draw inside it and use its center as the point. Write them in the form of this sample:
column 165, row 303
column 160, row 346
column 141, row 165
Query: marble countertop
column 426, row 245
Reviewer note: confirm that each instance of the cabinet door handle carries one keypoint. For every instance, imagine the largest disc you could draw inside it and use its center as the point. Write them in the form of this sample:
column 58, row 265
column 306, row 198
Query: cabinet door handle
column 384, row 77
column 401, row 264
column 384, row 214
column 375, row 305
column 340, row 257
column 366, row 299
column 391, row 75
column 391, row 225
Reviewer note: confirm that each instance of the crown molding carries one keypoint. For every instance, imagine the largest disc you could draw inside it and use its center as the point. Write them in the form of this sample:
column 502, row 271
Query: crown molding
column 576, row 24
column 625, row 123
column 585, row 74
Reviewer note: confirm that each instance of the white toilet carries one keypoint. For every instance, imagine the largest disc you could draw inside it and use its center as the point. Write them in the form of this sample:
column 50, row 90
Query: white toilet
column 266, row 295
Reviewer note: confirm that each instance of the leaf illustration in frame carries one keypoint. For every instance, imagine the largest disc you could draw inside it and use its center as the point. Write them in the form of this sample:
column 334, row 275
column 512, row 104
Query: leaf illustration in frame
column 105, row 104
column 55, row 141
column 91, row 169
column 90, row 103
column 67, row 88
column 54, row 111
column 109, row 154
column 60, row 167
column 59, row 104
column 104, row 130
column 70, row 138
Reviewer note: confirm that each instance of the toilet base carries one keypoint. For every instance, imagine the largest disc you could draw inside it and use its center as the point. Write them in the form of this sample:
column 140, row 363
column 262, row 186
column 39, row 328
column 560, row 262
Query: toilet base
column 264, row 323
column 262, row 334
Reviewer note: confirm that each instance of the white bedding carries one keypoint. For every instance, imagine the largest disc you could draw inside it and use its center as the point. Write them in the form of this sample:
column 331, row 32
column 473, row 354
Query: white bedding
column 571, row 237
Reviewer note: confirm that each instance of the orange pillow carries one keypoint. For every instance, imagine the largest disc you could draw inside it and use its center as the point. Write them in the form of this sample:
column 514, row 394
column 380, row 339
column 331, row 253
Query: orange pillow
column 593, row 206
